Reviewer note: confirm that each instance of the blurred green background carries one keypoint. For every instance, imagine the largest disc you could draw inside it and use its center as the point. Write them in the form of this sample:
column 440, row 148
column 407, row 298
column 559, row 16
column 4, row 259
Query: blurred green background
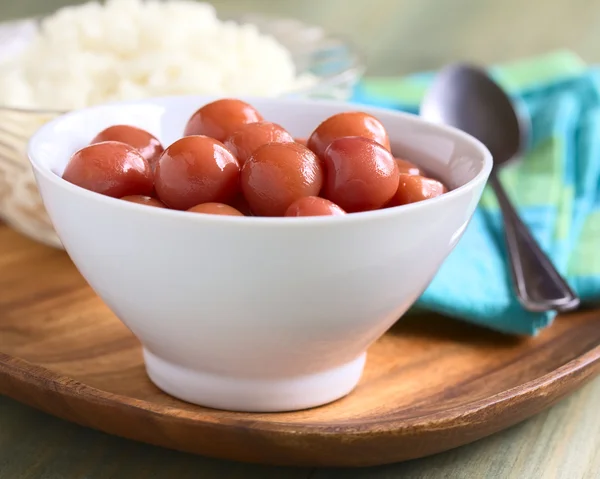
column 400, row 36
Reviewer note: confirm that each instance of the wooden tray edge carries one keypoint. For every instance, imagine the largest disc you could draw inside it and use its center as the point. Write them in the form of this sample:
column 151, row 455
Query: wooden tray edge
column 386, row 442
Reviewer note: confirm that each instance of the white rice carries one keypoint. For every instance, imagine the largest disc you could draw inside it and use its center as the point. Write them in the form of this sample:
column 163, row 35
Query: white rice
column 131, row 49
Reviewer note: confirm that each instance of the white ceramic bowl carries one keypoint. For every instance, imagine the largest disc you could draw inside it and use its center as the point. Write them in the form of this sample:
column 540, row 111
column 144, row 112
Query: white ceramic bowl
column 257, row 314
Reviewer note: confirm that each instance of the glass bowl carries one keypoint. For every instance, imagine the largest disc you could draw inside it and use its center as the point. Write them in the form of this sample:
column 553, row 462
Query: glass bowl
column 334, row 64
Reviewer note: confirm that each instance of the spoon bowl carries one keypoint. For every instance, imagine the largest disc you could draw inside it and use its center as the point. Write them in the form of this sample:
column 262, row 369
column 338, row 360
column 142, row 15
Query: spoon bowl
column 465, row 97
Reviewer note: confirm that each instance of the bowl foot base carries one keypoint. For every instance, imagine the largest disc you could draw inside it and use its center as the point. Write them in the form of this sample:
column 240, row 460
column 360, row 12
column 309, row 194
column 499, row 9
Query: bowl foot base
column 255, row 394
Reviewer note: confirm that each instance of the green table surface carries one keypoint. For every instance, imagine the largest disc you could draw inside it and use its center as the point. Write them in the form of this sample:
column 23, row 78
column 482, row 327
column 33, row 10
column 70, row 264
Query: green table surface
column 397, row 36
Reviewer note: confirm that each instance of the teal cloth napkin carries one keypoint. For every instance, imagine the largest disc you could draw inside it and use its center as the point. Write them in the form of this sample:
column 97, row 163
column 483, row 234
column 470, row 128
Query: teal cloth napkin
column 556, row 188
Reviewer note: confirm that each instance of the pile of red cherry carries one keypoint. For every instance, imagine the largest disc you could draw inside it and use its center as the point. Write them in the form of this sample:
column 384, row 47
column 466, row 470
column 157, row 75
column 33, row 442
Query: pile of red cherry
column 231, row 161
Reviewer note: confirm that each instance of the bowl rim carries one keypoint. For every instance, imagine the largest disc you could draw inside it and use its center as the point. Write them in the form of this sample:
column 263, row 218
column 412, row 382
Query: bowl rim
column 256, row 221
column 351, row 74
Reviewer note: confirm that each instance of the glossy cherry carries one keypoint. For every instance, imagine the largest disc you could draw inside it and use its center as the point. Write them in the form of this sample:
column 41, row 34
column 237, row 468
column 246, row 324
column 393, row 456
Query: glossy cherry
column 249, row 137
column 221, row 118
column 111, row 168
column 147, row 144
column 194, row 170
column 414, row 188
column 215, row 209
column 405, row 166
column 353, row 123
column 314, row 206
column 277, row 174
column 361, row 174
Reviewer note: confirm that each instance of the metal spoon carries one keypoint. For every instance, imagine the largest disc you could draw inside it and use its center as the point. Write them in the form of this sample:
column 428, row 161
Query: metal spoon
column 467, row 98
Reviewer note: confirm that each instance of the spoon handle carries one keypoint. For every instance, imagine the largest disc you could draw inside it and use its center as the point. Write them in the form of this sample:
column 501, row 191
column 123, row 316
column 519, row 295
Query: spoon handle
column 539, row 286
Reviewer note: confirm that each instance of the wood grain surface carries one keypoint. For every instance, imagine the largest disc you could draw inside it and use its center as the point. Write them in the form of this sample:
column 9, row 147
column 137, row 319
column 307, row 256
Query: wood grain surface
column 430, row 383
column 558, row 444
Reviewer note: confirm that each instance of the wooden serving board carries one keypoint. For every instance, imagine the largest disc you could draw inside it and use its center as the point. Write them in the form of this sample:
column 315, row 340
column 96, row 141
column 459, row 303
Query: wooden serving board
column 430, row 383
